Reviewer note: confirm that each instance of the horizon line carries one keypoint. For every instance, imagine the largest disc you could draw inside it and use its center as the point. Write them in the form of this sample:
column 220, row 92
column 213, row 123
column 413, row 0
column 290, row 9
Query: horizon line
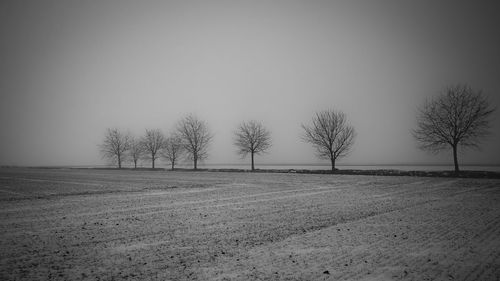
column 264, row 164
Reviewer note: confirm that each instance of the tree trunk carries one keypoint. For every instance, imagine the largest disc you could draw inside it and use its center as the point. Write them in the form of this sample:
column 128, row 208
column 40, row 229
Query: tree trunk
column 135, row 164
column 333, row 163
column 173, row 164
column 455, row 158
column 253, row 167
column 119, row 162
column 195, row 160
column 153, row 161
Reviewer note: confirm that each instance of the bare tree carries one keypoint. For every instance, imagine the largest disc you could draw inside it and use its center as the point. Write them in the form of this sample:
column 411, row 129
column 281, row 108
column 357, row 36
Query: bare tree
column 459, row 116
column 153, row 141
column 195, row 136
column 251, row 137
column 330, row 134
column 136, row 150
column 115, row 146
column 173, row 149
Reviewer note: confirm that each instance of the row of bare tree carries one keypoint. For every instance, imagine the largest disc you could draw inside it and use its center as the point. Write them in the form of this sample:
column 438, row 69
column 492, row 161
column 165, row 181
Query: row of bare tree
column 191, row 138
column 459, row 116
column 329, row 133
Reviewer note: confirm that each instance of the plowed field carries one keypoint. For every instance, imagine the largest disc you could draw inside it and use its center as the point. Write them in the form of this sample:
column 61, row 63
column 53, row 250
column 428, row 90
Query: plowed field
column 58, row 224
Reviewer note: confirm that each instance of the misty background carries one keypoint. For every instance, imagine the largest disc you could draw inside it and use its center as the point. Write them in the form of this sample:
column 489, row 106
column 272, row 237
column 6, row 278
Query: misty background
column 71, row 69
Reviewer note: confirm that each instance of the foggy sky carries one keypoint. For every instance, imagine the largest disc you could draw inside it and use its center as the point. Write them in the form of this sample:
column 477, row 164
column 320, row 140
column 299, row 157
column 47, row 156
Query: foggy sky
column 71, row 69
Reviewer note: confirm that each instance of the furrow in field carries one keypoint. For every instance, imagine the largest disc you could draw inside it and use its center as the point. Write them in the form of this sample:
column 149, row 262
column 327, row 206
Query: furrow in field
column 77, row 198
column 486, row 247
column 451, row 232
column 454, row 232
column 87, row 182
column 124, row 211
column 387, row 254
column 392, row 258
column 487, row 268
column 165, row 207
column 299, row 193
column 252, row 202
column 229, row 223
column 12, row 192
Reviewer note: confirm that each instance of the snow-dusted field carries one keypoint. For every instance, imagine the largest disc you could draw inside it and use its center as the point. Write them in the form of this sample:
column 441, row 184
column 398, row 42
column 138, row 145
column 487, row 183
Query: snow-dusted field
column 109, row 224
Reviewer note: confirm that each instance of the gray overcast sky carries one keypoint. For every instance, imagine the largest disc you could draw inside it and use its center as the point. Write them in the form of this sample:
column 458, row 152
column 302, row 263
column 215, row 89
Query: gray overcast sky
column 70, row 69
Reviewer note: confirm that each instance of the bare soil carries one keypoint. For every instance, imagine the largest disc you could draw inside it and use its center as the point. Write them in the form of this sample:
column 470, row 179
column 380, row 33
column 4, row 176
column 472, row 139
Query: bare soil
column 58, row 224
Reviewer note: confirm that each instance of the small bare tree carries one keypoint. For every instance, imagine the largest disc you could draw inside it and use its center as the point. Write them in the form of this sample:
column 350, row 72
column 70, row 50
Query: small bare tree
column 330, row 134
column 196, row 138
column 459, row 116
column 136, row 151
column 153, row 141
column 173, row 149
column 115, row 146
column 251, row 137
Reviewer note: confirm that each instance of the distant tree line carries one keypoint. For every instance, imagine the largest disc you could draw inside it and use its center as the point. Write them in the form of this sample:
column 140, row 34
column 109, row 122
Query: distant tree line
column 190, row 138
column 458, row 117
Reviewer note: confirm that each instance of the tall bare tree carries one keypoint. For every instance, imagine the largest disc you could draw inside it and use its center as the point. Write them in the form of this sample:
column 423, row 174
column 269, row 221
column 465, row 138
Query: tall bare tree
column 331, row 135
column 136, row 151
column 153, row 141
column 173, row 149
column 195, row 136
column 115, row 145
column 458, row 117
column 252, row 137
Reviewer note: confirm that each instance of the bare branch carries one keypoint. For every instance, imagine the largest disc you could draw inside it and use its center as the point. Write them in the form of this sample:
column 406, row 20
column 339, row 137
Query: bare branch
column 251, row 137
column 136, row 151
column 153, row 141
column 195, row 136
column 115, row 145
column 173, row 149
column 459, row 116
column 330, row 134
